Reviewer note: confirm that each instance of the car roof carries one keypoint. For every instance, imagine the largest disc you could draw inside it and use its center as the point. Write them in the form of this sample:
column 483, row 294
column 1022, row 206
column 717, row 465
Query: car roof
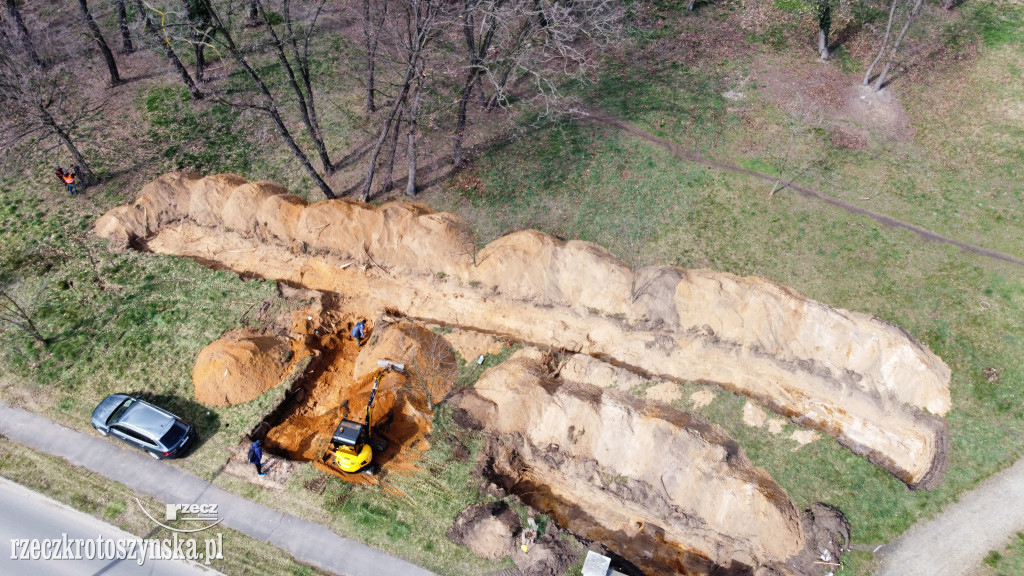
column 148, row 419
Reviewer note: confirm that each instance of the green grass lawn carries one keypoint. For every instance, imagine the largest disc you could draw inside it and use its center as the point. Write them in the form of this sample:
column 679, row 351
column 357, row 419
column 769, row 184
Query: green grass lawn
column 1006, row 562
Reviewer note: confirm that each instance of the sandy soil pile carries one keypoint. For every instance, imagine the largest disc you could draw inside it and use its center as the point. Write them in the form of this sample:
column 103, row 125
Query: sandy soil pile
column 665, row 488
column 861, row 380
column 488, row 529
column 239, row 366
column 428, row 358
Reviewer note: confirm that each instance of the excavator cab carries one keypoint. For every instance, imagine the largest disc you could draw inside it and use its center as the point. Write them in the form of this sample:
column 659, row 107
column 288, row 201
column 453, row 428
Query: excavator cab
column 352, row 450
column 351, row 442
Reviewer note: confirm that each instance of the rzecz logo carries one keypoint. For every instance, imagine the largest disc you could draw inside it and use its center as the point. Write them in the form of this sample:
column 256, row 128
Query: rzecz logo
column 204, row 514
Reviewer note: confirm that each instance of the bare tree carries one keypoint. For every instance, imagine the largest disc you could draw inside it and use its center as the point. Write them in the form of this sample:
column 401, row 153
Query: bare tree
column 545, row 41
column 374, row 14
column 41, row 104
column 637, row 224
column 16, row 317
column 478, row 44
column 127, row 47
column 163, row 39
column 413, row 117
column 101, row 42
column 824, row 13
column 269, row 104
column 422, row 22
column 197, row 14
column 434, row 366
column 22, row 32
column 911, row 15
column 298, row 60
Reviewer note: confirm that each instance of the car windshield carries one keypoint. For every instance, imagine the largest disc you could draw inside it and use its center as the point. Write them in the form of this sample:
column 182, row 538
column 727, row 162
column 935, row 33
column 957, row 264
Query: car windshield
column 120, row 411
column 173, row 435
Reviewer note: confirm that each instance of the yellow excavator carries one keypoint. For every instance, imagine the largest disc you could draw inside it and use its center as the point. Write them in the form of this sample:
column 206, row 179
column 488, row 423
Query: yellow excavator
column 353, row 444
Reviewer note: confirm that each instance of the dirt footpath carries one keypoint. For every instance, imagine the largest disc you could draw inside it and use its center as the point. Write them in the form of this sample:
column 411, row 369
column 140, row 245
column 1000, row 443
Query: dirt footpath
column 955, row 542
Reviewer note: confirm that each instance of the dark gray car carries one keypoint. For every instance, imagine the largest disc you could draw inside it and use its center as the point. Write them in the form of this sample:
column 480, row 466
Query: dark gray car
column 142, row 425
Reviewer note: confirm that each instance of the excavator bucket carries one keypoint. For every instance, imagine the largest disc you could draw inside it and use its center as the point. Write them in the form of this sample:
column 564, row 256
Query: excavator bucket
column 397, row 366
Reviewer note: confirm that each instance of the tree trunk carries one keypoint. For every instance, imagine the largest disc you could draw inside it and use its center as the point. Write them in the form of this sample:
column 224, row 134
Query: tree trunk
column 304, row 107
column 824, row 25
column 896, row 46
column 371, row 37
column 458, row 158
column 271, row 109
column 689, row 5
column 26, row 39
column 200, row 51
column 108, row 56
column 65, row 138
column 414, row 111
column 254, row 18
column 169, row 51
column 197, row 12
column 302, row 60
column 371, row 168
column 389, row 167
column 885, row 43
column 127, row 47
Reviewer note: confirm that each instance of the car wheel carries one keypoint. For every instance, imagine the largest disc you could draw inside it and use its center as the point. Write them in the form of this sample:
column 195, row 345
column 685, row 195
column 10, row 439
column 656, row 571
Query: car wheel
column 102, row 432
column 153, row 454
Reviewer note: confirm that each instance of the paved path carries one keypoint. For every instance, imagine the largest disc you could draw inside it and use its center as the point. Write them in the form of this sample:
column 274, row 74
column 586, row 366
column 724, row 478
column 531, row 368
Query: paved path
column 955, row 542
column 307, row 542
column 30, row 516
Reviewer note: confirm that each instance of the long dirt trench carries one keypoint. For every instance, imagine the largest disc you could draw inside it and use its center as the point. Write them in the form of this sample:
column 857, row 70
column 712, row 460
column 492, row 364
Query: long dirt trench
column 863, row 381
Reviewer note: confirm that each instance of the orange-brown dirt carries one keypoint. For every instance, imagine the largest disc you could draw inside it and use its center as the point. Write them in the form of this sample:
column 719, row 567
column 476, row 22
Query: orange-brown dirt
column 334, row 389
column 239, row 366
column 861, row 380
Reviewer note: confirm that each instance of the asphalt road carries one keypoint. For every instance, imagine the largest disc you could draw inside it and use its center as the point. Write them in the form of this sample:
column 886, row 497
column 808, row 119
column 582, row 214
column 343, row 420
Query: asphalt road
column 29, row 515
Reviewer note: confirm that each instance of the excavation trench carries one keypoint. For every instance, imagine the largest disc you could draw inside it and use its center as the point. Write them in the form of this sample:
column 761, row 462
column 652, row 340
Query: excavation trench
column 336, row 383
column 859, row 379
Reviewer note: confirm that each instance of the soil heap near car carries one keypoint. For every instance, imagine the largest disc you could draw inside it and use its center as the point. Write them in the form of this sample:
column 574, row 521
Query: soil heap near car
column 863, row 381
column 239, row 366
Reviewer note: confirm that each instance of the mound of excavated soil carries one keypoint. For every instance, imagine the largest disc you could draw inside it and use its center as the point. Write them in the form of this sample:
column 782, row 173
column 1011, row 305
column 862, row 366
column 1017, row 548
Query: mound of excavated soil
column 429, row 360
column 663, row 489
column 863, row 381
column 548, row 556
column 487, row 529
column 240, row 366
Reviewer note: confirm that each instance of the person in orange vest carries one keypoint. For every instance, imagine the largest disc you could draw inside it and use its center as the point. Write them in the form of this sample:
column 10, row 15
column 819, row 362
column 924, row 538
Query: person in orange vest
column 68, row 178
